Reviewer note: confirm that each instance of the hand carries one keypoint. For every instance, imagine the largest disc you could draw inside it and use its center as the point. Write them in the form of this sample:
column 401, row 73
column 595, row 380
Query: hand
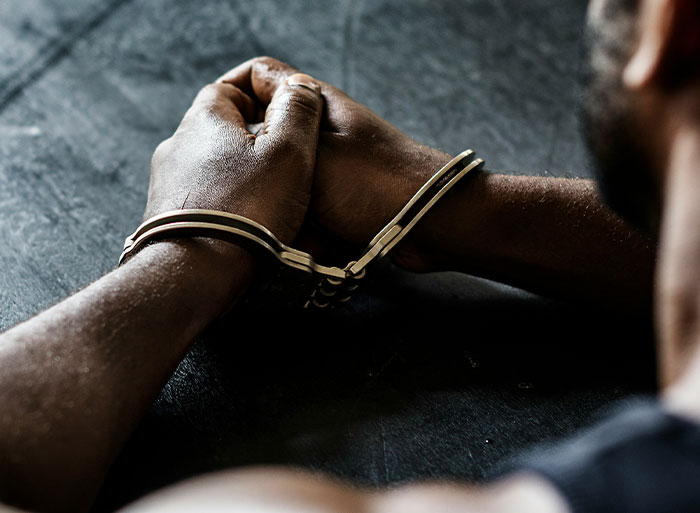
column 366, row 169
column 213, row 161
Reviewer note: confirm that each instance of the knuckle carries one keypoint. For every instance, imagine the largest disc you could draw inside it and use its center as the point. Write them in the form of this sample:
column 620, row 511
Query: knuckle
column 162, row 152
column 266, row 63
column 163, row 148
column 266, row 60
column 209, row 99
column 300, row 98
column 213, row 91
column 208, row 91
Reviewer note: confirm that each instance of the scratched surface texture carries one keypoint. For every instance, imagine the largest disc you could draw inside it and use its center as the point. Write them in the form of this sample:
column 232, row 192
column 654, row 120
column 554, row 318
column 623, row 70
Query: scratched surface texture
column 438, row 375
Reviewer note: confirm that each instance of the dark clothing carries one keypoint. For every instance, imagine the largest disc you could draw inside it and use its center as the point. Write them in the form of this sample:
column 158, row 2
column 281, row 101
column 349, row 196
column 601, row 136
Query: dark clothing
column 641, row 460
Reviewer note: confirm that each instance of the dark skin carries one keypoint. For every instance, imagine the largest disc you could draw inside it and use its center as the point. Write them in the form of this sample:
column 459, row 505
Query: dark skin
column 213, row 162
column 77, row 384
column 551, row 236
column 77, row 378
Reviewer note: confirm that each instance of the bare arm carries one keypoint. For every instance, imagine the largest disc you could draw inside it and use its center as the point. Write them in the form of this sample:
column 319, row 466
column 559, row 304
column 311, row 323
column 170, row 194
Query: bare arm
column 76, row 379
column 551, row 236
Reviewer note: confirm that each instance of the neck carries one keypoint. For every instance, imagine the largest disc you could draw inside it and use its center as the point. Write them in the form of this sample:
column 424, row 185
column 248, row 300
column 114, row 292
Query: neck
column 677, row 292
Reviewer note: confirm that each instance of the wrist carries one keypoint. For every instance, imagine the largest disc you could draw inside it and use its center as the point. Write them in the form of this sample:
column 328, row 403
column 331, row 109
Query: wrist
column 424, row 162
column 430, row 245
column 209, row 275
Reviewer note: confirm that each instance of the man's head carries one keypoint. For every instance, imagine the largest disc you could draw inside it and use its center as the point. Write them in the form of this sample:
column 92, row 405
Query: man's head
column 644, row 61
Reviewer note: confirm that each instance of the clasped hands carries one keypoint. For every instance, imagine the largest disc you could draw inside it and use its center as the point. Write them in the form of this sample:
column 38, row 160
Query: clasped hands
column 283, row 149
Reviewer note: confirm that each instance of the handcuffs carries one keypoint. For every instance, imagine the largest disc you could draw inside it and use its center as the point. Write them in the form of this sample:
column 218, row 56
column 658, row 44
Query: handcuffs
column 336, row 284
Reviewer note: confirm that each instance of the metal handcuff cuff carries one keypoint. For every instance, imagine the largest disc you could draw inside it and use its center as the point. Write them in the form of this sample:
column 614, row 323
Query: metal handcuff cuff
column 337, row 284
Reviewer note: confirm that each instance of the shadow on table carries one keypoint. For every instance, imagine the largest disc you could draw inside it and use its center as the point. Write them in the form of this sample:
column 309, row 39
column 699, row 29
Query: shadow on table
column 419, row 376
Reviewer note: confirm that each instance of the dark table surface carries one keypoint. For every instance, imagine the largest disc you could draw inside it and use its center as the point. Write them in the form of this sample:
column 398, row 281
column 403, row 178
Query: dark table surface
column 420, row 376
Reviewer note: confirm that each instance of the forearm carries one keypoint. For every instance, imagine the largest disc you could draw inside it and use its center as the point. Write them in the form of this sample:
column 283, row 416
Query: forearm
column 549, row 235
column 77, row 378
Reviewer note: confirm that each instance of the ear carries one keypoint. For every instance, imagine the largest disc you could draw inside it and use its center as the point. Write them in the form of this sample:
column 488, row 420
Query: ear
column 668, row 48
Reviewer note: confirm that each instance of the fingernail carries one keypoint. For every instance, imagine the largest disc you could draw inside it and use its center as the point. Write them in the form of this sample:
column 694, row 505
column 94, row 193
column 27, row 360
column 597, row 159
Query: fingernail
column 304, row 80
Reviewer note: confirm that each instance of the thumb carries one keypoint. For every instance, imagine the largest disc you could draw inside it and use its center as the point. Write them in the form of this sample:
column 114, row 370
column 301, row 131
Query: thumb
column 294, row 113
